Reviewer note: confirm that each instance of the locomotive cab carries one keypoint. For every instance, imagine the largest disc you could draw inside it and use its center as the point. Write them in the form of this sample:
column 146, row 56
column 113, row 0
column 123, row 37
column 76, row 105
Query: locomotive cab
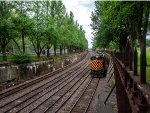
column 97, row 66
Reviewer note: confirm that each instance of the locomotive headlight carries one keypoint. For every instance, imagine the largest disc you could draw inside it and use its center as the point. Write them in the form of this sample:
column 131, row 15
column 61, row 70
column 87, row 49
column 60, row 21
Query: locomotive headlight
column 97, row 56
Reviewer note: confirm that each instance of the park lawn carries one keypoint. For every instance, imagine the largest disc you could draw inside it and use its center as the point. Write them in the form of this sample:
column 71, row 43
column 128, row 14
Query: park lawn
column 148, row 64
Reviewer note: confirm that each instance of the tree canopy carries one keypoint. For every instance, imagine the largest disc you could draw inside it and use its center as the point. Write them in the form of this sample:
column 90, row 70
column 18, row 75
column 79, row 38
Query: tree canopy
column 27, row 26
column 119, row 22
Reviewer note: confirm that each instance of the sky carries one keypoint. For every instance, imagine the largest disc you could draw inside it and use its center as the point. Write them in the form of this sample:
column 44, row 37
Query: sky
column 82, row 11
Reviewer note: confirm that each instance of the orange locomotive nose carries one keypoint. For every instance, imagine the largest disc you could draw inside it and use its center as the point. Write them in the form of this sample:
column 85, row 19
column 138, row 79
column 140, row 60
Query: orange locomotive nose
column 96, row 65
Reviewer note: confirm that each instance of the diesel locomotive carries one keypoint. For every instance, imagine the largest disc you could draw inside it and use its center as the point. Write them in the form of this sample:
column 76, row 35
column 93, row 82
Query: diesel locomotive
column 97, row 65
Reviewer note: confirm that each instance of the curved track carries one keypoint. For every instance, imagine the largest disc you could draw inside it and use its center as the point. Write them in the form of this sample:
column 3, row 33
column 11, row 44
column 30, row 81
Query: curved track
column 67, row 90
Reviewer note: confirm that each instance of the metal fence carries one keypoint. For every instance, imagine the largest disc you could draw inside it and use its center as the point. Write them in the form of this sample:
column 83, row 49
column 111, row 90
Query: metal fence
column 132, row 91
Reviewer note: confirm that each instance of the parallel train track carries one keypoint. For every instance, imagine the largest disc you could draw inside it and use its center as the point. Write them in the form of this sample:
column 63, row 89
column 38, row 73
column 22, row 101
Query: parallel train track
column 67, row 90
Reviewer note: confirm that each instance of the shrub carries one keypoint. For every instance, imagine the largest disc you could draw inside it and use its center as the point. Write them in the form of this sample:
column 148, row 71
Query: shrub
column 21, row 58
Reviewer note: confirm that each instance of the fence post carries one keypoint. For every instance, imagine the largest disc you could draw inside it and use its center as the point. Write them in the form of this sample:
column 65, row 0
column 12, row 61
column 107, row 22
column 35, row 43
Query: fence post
column 122, row 99
column 127, row 48
column 143, row 66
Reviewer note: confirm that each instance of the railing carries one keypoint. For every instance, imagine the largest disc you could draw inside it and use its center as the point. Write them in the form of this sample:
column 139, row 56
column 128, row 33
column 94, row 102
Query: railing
column 133, row 95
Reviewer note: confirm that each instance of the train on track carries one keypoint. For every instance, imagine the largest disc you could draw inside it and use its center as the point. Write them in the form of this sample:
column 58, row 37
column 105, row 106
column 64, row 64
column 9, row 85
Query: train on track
column 97, row 65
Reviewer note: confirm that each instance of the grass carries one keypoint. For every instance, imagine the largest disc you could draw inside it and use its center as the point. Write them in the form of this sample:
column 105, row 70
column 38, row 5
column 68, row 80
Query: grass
column 9, row 59
column 148, row 64
column 35, row 58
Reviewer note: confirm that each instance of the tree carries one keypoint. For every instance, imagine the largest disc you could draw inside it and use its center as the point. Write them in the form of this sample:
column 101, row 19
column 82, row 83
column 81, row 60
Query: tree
column 129, row 18
column 21, row 20
column 37, row 33
column 119, row 19
column 39, row 25
column 6, row 26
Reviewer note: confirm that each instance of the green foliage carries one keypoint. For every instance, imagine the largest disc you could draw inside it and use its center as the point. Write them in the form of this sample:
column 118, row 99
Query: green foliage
column 113, row 45
column 6, row 26
column 38, row 25
column 148, row 42
column 102, row 23
column 116, row 20
column 21, row 58
column 148, row 64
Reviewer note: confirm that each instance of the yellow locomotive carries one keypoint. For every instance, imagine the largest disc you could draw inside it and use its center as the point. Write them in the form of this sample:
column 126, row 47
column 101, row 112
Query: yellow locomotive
column 97, row 66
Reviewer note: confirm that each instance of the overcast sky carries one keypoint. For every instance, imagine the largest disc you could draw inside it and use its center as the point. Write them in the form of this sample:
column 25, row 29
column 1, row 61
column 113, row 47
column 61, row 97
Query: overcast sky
column 82, row 11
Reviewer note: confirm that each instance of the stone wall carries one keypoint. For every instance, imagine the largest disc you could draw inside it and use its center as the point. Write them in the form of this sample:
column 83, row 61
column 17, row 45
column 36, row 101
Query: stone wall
column 22, row 72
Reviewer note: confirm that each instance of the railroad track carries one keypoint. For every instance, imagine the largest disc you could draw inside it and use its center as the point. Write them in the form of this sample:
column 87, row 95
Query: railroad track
column 67, row 90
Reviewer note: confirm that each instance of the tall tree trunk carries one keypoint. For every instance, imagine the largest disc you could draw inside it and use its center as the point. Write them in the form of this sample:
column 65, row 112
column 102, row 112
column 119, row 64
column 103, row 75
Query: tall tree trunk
column 60, row 50
column 143, row 60
column 64, row 50
column 38, row 55
column 23, row 42
column 55, row 49
column 132, row 40
column 22, row 31
column 68, row 49
column 48, row 48
column 37, row 28
column 142, row 47
column 4, row 53
column 71, row 49
column 145, row 26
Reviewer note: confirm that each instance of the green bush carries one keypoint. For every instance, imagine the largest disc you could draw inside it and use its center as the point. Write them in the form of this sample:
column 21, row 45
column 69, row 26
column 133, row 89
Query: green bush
column 21, row 58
